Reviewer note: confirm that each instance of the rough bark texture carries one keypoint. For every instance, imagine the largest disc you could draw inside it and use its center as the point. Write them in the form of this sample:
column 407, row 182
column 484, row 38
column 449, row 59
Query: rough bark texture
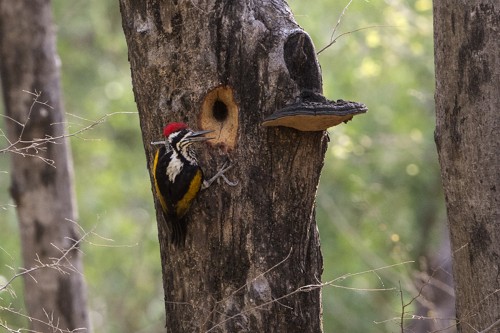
column 42, row 192
column 467, row 52
column 247, row 246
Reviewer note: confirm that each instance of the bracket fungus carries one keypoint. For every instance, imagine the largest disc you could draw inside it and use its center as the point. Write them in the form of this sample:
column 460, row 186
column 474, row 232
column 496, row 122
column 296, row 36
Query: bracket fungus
column 313, row 112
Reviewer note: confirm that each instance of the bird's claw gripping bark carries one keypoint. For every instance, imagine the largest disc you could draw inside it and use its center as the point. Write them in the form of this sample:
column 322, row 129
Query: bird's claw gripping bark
column 220, row 174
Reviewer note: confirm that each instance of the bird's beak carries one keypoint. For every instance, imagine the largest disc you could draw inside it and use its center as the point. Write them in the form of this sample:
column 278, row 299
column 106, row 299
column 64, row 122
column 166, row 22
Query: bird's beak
column 198, row 136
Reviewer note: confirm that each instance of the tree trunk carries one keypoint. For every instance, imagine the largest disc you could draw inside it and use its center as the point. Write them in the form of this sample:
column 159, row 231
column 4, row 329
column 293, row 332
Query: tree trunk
column 225, row 65
column 42, row 175
column 467, row 53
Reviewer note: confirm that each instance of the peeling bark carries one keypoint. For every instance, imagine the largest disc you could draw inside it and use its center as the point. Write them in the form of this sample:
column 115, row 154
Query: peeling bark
column 250, row 247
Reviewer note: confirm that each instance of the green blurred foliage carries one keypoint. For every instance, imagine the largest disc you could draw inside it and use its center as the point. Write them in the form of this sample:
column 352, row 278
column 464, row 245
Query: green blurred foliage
column 379, row 201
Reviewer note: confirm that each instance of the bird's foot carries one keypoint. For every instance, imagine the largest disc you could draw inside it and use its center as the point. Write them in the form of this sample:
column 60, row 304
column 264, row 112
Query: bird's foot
column 220, row 174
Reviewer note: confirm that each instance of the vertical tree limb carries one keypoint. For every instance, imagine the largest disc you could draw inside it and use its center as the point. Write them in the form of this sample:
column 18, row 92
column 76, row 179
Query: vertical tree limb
column 249, row 245
column 42, row 175
column 468, row 142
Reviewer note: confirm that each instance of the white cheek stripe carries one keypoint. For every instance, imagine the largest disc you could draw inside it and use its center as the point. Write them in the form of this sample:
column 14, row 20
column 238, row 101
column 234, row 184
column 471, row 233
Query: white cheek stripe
column 174, row 167
column 189, row 154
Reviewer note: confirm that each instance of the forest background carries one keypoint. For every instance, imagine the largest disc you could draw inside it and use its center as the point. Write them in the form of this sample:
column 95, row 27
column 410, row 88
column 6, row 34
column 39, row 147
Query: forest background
column 379, row 202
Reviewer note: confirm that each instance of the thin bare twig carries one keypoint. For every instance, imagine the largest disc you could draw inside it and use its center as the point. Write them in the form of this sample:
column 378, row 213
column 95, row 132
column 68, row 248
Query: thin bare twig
column 492, row 326
column 214, row 309
column 403, row 306
column 308, row 288
column 339, row 20
column 333, row 40
column 350, row 32
column 39, row 144
column 55, row 264
column 63, row 265
column 49, row 323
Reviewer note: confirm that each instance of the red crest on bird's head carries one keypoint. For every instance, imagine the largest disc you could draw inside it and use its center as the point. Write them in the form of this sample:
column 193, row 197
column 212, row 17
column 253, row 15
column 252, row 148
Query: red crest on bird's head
column 173, row 127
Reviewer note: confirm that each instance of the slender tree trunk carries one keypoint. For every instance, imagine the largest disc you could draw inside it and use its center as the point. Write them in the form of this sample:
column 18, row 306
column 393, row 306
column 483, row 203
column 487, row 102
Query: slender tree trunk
column 467, row 52
column 225, row 65
column 42, row 176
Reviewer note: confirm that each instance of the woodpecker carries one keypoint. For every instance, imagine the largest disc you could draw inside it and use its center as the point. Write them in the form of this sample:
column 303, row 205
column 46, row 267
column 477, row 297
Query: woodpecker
column 177, row 176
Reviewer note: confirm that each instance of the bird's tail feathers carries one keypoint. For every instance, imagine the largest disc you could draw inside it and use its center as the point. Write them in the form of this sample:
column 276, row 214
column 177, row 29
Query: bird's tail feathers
column 178, row 229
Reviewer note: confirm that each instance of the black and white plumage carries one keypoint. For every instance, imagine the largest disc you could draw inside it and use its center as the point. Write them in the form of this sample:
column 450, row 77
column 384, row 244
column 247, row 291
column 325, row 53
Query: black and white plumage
column 178, row 177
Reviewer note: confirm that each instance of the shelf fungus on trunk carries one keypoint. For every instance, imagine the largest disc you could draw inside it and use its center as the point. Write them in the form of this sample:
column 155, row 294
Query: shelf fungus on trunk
column 313, row 112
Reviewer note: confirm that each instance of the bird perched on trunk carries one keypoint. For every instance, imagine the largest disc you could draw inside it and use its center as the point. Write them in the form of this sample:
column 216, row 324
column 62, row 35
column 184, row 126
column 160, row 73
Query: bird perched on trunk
column 177, row 176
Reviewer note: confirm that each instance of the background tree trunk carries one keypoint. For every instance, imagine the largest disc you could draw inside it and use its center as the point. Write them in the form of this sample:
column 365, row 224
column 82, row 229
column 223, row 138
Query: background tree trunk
column 42, row 192
column 225, row 65
column 467, row 99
